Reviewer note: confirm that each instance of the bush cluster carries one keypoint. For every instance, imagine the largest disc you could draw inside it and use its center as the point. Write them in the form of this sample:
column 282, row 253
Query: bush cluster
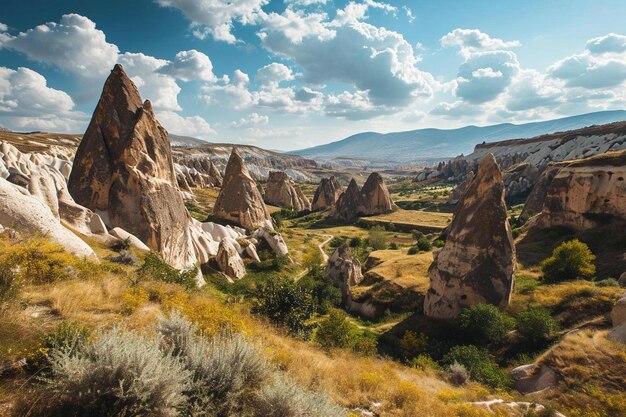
column 335, row 331
column 570, row 260
column 479, row 365
column 376, row 238
column 536, row 326
column 155, row 268
column 485, row 324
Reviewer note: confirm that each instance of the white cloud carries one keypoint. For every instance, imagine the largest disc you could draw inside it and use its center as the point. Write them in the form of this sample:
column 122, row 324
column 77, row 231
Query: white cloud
column 181, row 125
column 26, row 102
column 456, row 110
column 473, row 40
column 3, row 27
column 590, row 71
column 611, row 43
column 296, row 25
column 190, row 65
column 73, row 45
column 254, row 119
column 485, row 75
column 216, row 17
column 160, row 89
column 409, row 13
column 232, row 93
column 305, row 3
column 352, row 106
column 531, row 90
column 274, row 74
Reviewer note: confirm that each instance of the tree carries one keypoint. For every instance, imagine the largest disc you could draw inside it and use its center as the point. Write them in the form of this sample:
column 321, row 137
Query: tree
column 570, row 260
column 377, row 238
column 536, row 326
column 485, row 324
column 335, row 331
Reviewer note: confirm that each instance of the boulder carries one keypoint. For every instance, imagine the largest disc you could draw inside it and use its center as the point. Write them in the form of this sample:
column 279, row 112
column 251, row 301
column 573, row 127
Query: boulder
column 23, row 212
column 622, row 280
column 533, row 378
column 345, row 270
column 239, row 201
column 132, row 240
column 326, row 194
column 477, row 263
column 281, row 191
column 618, row 313
column 273, row 239
column 229, row 261
column 252, row 253
column 123, row 169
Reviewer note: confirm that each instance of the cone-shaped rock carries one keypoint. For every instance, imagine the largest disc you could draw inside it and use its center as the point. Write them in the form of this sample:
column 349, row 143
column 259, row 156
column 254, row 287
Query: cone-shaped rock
column 281, row 191
column 345, row 269
column 375, row 197
column 327, row 194
column 239, row 201
column 123, row 170
column 215, row 174
column 477, row 263
column 348, row 203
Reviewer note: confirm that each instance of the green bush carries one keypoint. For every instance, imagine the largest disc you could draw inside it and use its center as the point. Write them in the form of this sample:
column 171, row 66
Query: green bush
column 413, row 250
column 355, row 242
column 376, row 238
column 285, row 303
column 155, row 268
column 68, row 336
column 424, row 361
column 424, row 244
column 439, row 243
column 324, row 291
column 570, row 260
column 417, row 234
column 479, row 365
column 278, row 219
column 608, row 282
column 336, row 242
column 485, row 324
column 412, row 344
column 393, row 246
column 335, row 331
column 536, row 326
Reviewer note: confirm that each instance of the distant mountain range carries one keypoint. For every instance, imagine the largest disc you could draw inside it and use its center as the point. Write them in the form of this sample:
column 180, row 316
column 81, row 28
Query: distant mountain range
column 426, row 146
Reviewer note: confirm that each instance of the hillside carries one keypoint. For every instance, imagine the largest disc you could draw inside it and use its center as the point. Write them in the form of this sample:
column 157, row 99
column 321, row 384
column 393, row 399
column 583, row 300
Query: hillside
column 428, row 146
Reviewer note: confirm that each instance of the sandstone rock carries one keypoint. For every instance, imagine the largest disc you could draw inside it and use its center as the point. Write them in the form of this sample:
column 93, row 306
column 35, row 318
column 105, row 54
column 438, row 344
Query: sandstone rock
column 458, row 191
column 326, row 194
column 239, row 201
column 587, row 193
column 25, row 213
column 618, row 333
column 372, row 199
column 273, row 239
column 122, row 234
column 229, row 261
column 533, row 378
column 537, row 196
column 618, row 313
column 282, row 192
column 123, row 169
column 345, row 270
column 519, row 179
column 622, row 280
column 477, row 263
column 252, row 253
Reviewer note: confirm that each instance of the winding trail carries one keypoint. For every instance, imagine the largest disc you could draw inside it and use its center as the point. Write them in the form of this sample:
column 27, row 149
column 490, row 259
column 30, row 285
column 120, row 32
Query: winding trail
column 322, row 251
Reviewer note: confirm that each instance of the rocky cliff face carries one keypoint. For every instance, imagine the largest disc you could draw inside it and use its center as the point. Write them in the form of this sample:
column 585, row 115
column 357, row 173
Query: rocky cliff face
column 477, row 263
column 586, row 193
column 372, row 199
column 345, row 270
column 239, row 201
column 123, row 170
column 326, row 194
column 196, row 172
column 282, row 192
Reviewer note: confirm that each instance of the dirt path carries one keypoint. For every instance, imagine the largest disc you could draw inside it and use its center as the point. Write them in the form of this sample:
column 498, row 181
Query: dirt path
column 322, row 251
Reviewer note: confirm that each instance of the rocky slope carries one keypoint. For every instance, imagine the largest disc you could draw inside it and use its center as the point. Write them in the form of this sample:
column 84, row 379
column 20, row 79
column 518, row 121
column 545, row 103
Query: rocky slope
column 281, row 191
column 477, row 263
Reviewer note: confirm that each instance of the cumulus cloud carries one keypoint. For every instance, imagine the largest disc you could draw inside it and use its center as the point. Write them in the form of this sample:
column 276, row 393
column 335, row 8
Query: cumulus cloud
column 305, row 2
column 456, row 109
column 26, row 102
column 254, row 119
column 230, row 92
column 485, row 75
column 274, row 74
column 181, row 125
column 190, row 65
column 611, row 43
column 73, row 45
column 590, row 71
column 531, row 90
column 215, row 17
column 473, row 40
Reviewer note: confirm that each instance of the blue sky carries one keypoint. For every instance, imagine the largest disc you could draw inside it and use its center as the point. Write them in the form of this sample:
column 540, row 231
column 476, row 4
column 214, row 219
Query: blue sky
column 297, row 73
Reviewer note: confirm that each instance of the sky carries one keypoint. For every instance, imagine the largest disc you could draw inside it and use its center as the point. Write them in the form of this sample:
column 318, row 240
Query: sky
column 290, row 74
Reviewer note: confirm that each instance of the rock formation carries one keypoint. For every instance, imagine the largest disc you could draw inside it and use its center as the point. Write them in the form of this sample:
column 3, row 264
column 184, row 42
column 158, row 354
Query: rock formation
column 477, row 263
column 327, row 194
column 123, row 170
column 193, row 170
column 586, row 193
column 519, row 179
column 229, row 261
column 458, row 191
column 239, row 201
column 345, row 270
column 618, row 318
column 282, row 192
column 537, row 196
column 372, row 199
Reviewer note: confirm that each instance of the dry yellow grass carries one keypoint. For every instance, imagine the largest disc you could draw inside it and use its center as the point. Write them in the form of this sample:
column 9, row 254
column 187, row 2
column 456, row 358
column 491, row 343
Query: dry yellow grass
column 408, row 271
column 414, row 217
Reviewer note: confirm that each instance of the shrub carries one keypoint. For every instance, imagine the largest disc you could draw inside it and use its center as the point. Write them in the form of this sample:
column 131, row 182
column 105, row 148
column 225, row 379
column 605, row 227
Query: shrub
column 285, row 303
column 439, row 243
column 608, row 282
column 155, row 268
column 355, row 242
column 365, row 344
column 10, row 282
column 335, row 242
column 417, row 234
column 376, row 238
column 67, row 336
column 133, row 298
column 222, row 369
column 283, row 398
column 413, row 250
column 536, row 326
column 411, row 344
column 458, row 374
column 423, row 361
column 393, row 246
column 125, row 257
column 120, row 373
column 325, row 292
column 424, row 244
column 313, row 260
column 479, row 365
column 278, row 219
column 485, row 324
column 335, row 331
column 570, row 260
